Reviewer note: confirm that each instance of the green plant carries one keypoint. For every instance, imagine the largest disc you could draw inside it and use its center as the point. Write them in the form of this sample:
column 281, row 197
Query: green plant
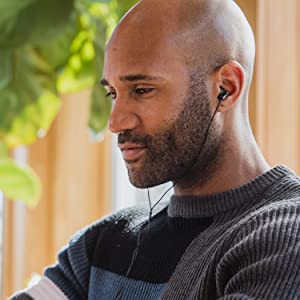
column 48, row 48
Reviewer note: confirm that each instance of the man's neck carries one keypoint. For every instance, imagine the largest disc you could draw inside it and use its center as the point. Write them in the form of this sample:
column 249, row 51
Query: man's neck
column 238, row 166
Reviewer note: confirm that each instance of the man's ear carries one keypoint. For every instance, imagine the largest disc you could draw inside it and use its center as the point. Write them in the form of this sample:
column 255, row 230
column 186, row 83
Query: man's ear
column 231, row 78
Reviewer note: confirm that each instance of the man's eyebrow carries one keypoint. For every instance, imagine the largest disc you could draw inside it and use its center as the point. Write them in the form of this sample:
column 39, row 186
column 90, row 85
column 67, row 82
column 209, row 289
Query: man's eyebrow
column 139, row 77
column 133, row 77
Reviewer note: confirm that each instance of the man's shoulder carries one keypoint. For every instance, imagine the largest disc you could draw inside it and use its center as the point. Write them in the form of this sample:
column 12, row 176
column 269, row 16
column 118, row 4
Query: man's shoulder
column 279, row 199
column 272, row 216
column 279, row 210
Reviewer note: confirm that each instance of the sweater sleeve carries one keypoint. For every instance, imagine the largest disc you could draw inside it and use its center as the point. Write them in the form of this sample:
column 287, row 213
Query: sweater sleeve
column 69, row 277
column 263, row 261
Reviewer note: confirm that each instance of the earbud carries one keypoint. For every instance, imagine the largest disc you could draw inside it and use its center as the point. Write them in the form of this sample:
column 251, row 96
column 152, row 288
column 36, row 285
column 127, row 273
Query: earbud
column 223, row 94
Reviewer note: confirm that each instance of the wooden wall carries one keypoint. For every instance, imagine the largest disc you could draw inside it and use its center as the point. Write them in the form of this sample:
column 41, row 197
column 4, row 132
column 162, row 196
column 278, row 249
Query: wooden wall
column 278, row 81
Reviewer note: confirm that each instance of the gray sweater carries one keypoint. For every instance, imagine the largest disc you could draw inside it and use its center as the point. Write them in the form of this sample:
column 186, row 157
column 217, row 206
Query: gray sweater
column 240, row 244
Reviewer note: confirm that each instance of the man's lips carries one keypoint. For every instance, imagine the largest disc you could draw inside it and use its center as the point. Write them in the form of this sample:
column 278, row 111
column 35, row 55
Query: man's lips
column 132, row 151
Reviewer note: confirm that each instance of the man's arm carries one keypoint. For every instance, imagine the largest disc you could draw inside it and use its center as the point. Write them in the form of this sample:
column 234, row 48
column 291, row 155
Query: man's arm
column 45, row 289
column 264, row 260
column 69, row 278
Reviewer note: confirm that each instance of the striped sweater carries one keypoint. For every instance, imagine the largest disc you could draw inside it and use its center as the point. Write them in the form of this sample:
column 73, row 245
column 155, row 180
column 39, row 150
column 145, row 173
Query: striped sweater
column 239, row 244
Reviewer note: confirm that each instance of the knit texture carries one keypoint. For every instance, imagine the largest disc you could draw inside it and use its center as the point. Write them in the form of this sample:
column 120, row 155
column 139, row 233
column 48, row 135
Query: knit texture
column 240, row 244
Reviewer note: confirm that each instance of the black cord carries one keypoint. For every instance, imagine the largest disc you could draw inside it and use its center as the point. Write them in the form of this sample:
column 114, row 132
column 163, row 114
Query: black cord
column 135, row 253
column 151, row 208
column 188, row 169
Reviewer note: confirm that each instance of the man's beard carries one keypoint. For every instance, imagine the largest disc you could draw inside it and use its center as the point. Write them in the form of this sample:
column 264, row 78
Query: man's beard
column 174, row 154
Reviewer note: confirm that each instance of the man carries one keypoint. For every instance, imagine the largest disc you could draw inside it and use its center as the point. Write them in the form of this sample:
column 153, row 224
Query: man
column 178, row 73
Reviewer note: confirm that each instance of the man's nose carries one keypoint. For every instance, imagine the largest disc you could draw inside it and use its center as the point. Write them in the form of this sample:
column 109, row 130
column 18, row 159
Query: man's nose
column 122, row 117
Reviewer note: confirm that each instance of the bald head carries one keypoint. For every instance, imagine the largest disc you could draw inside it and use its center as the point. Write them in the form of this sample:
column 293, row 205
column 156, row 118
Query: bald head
column 206, row 33
column 216, row 32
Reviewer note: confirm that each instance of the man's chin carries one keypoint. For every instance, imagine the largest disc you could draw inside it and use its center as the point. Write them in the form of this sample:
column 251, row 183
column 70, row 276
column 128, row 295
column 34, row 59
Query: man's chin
column 136, row 179
column 141, row 185
column 141, row 176
column 140, row 181
column 135, row 171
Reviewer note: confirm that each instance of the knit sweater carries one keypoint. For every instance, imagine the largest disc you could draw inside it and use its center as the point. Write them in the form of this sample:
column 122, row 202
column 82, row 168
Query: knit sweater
column 239, row 244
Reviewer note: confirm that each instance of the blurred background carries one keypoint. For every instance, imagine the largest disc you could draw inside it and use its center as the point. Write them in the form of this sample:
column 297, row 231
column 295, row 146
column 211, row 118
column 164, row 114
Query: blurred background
column 60, row 168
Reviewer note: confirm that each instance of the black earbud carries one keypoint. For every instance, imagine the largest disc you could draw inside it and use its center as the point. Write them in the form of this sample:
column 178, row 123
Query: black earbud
column 223, row 94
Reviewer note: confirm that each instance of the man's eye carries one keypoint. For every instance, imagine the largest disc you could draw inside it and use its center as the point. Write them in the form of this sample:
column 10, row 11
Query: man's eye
column 142, row 91
column 112, row 95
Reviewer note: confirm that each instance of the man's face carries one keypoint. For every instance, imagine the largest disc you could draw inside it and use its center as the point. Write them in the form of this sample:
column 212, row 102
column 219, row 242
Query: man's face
column 161, row 111
column 174, row 150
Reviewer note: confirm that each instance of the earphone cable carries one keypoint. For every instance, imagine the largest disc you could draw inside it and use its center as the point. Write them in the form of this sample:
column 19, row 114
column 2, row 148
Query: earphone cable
column 151, row 208
column 188, row 169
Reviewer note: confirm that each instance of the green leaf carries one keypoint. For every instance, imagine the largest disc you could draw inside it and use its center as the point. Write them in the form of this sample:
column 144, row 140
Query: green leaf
column 100, row 107
column 82, row 70
column 3, row 150
column 86, row 2
column 99, row 112
column 35, row 23
column 10, row 9
column 8, row 20
column 33, row 121
column 6, row 67
column 57, row 51
column 29, row 103
column 78, row 75
column 123, row 6
column 19, row 182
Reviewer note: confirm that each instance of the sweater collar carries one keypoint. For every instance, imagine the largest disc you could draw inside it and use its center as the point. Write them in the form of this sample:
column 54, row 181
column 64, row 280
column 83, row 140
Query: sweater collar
column 205, row 206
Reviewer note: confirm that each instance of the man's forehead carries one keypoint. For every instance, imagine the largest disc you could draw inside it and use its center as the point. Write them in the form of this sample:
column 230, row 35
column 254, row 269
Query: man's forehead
column 139, row 44
column 136, row 58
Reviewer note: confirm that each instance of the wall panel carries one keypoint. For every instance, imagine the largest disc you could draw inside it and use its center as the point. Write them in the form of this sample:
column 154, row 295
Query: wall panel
column 278, row 90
